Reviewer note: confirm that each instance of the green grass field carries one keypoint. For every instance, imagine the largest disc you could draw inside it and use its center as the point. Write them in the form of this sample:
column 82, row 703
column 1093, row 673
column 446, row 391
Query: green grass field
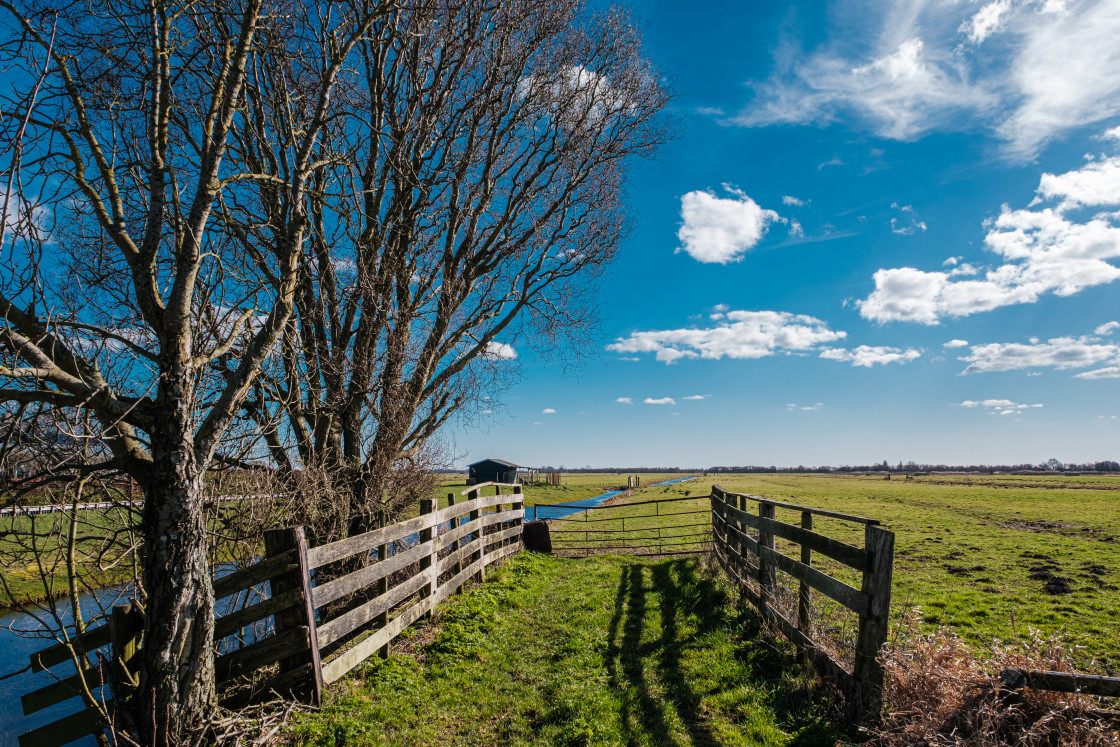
column 554, row 651
column 988, row 556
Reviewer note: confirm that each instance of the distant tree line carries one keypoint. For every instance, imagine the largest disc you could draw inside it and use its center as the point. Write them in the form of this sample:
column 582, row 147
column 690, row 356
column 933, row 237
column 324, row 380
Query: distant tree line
column 1051, row 465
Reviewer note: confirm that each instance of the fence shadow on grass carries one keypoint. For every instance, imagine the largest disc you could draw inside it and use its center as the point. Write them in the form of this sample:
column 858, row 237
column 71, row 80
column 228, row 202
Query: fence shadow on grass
column 658, row 689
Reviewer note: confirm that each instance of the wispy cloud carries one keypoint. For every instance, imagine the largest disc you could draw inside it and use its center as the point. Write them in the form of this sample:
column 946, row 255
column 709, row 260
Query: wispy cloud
column 548, row 411
column 791, row 200
column 793, row 407
column 955, row 344
column 661, row 401
column 625, row 401
column 697, row 396
column 906, row 224
column 1043, row 249
column 928, row 66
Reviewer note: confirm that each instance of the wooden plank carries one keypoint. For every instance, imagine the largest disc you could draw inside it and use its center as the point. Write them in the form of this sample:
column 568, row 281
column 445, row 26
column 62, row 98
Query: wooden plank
column 469, row 526
column 56, row 692
column 258, row 573
column 300, row 614
column 127, row 632
column 854, row 599
column 1073, row 682
column 750, row 543
column 261, row 653
column 383, row 584
column 66, row 729
column 804, row 593
column 349, row 621
column 335, row 668
column 427, row 506
column 235, row 621
column 92, row 639
column 874, row 623
column 849, row 555
column 795, row 507
column 364, row 577
column 823, row 661
column 335, row 551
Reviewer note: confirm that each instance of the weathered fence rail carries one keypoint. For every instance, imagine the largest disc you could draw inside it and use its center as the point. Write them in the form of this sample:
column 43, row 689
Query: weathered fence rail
column 277, row 639
column 744, row 545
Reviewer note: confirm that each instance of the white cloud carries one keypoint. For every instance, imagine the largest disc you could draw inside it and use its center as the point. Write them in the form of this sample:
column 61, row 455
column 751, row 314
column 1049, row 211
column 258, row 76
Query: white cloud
column 625, row 401
column 662, row 401
column 720, row 229
column 487, row 412
column 997, row 404
column 1111, row 372
column 1043, row 251
column 951, row 261
column 795, row 229
column 499, row 351
column 986, row 21
column 696, row 396
column 927, row 66
column 791, row 200
column 548, row 411
column 804, row 408
column 868, row 356
column 743, row 334
column 955, row 344
column 1107, row 328
column 1059, row 352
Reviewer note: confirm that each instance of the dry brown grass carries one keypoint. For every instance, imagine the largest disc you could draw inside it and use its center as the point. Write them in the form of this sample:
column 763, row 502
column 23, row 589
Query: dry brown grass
column 939, row 693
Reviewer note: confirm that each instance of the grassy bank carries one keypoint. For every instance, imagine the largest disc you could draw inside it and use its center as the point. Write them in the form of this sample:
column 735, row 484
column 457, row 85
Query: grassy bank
column 603, row 650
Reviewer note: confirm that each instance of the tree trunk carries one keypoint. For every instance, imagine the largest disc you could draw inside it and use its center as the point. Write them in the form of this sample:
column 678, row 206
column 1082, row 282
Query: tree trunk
column 176, row 692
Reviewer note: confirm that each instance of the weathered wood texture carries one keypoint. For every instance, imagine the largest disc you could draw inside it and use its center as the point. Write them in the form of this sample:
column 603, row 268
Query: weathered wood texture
column 470, row 538
column 1064, row 682
column 301, row 613
column 751, row 562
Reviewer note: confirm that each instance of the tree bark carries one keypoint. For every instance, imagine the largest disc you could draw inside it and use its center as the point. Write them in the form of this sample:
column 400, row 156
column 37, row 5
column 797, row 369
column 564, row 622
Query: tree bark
column 176, row 690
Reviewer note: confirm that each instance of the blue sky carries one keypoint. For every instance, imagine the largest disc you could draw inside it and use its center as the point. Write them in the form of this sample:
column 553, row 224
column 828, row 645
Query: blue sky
column 886, row 231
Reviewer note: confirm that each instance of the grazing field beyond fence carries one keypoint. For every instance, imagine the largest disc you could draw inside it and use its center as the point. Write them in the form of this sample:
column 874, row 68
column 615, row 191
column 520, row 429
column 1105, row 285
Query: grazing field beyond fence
column 991, row 556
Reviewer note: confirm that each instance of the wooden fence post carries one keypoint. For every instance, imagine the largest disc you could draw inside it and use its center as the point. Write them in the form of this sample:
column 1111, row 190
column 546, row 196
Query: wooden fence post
column 501, row 525
column 766, row 571
column 382, row 584
column 453, row 523
column 804, row 598
column 476, row 535
column 873, row 627
column 126, row 632
column 427, row 506
column 519, row 502
column 277, row 541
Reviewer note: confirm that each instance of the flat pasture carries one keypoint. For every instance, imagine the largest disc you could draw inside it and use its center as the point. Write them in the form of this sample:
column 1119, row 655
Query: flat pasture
column 993, row 557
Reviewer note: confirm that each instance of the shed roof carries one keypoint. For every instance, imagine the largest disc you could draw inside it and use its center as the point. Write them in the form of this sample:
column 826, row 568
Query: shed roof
column 497, row 461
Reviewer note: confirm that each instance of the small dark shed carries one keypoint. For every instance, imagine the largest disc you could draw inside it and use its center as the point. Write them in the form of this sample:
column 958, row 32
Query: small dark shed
column 492, row 470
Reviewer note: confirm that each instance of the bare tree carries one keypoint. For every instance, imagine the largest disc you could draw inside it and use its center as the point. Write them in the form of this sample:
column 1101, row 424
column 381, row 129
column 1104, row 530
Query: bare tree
column 479, row 199
column 129, row 127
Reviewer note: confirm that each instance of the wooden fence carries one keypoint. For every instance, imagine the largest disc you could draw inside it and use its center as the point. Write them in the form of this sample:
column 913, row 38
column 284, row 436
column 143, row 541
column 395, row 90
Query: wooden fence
column 282, row 645
column 744, row 545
